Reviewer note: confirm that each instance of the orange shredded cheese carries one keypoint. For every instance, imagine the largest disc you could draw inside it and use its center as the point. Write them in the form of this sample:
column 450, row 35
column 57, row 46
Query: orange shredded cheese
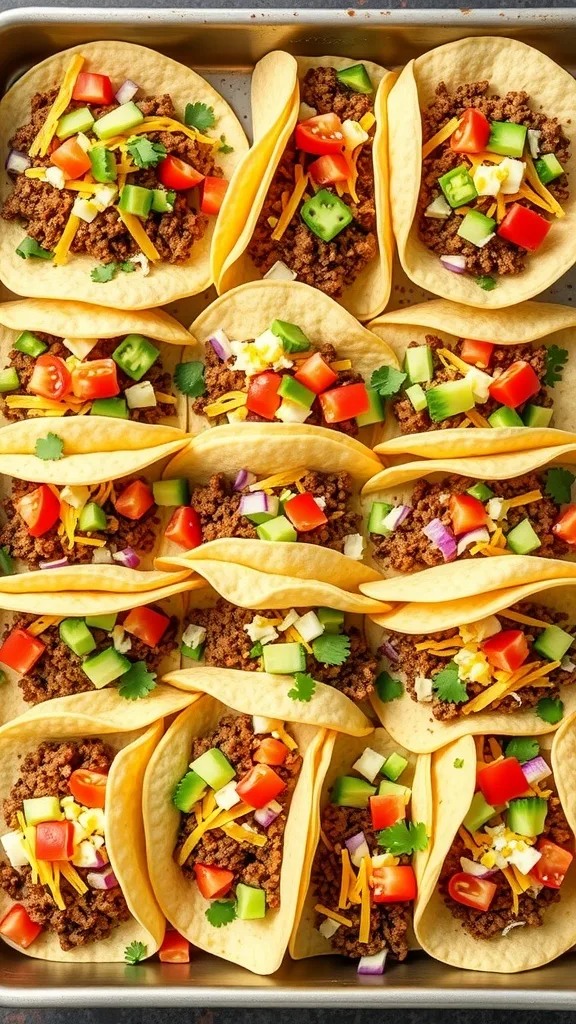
column 441, row 136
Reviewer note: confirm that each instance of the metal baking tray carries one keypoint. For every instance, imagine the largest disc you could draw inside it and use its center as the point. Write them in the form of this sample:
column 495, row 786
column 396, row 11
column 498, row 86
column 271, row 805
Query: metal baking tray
column 223, row 45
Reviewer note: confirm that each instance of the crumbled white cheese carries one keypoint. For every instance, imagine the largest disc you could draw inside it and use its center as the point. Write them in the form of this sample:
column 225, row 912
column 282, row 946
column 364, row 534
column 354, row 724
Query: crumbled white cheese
column 260, row 629
column 193, row 636
column 122, row 643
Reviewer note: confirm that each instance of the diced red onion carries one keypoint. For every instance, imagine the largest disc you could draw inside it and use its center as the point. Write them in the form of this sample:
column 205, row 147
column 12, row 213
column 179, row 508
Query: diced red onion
column 126, row 92
column 357, row 848
column 58, row 563
column 441, row 538
column 266, row 815
column 243, row 479
column 396, row 516
column 372, row 964
column 389, row 651
column 354, row 842
column 471, row 867
column 102, row 879
column 87, row 856
column 221, row 345
column 17, row 162
column 258, row 501
column 536, row 770
column 457, row 264
column 472, row 537
column 127, row 557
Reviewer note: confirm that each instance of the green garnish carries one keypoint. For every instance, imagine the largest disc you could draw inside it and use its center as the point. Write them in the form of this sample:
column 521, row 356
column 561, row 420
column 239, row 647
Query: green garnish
column 523, row 748
column 29, row 250
column 135, row 952
column 304, row 689
column 137, row 682
column 388, row 688
column 486, row 282
column 6, row 561
column 331, row 648
column 559, row 484
column 49, row 448
column 108, row 271
column 221, row 912
column 448, row 686
column 145, row 153
column 256, row 650
column 555, row 359
column 224, row 147
column 189, row 379
column 387, row 381
column 550, row 710
column 458, row 762
column 199, row 116
column 404, row 837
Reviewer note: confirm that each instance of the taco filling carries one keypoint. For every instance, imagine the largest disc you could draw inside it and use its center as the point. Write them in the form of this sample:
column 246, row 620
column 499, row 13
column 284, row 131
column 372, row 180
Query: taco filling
column 57, row 656
column 517, row 659
column 235, row 801
column 280, row 375
column 462, row 518
column 493, row 180
column 110, row 174
column 314, row 641
column 120, row 377
column 362, row 875
column 510, row 856
column 58, row 872
column 318, row 221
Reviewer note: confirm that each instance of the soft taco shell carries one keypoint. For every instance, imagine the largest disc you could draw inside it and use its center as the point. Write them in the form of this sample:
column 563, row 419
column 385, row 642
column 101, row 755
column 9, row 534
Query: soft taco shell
column 155, row 73
column 543, row 323
column 508, row 65
column 232, row 264
column 257, row 945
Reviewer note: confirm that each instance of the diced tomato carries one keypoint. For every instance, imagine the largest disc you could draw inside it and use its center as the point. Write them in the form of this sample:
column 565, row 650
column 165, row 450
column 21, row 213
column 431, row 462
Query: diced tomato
column 263, row 398
column 565, row 527
column 344, row 403
column 21, row 650
column 177, row 174
column 213, row 881
column 185, row 528
column 554, row 863
column 96, row 378
column 135, row 500
column 304, row 512
column 329, row 168
column 467, row 513
column 50, row 378
column 315, row 374
column 387, row 809
column 91, row 88
column 477, row 353
column 39, row 509
column 213, row 192
column 175, row 948
column 72, row 160
column 516, row 385
column 472, row 134
column 147, row 624
column 524, row 227
column 54, row 840
column 270, row 751
column 472, row 891
column 18, row 927
column 260, row 785
column 394, row 884
column 320, row 134
column 501, row 781
column 88, row 788
column 506, row 650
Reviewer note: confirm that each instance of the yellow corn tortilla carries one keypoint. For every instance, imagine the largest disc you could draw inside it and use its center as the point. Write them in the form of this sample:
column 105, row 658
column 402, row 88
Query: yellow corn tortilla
column 508, row 65
column 232, row 265
column 257, row 945
column 440, row 934
column 155, row 74
column 341, row 752
column 80, row 320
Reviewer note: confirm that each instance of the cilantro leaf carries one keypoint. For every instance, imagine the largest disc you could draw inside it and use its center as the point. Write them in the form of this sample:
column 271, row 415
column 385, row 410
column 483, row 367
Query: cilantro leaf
column 387, row 381
column 523, row 748
column 189, row 379
column 550, row 710
column 331, row 648
column 224, row 147
column 145, row 153
column 29, row 250
column 555, row 359
column 448, row 686
column 135, row 952
column 559, row 484
column 221, row 912
column 388, row 688
column 105, row 273
column 137, row 681
column 199, row 116
column 256, row 650
column 458, row 762
column 304, row 689
column 127, row 267
column 49, row 448
column 404, row 837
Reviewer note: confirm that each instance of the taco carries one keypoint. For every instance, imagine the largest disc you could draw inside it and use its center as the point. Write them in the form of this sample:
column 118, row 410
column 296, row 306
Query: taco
column 501, row 859
column 318, row 366
column 67, row 358
column 470, row 394
column 481, row 134
column 365, row 854
column 103, row 144
column 228, row 798
column 316, row 203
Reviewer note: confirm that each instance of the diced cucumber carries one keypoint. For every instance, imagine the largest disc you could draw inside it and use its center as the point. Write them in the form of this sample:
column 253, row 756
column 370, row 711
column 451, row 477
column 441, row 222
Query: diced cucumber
column 195, row 653
column 105, row 622
column 526, row 816
column 92, row 517
column 378, row 513
column 332, row 619
column 42, row 808
column 76, row 635
column 9, row 379
column 284, row 659
column 136, row 200
column 449, row 399
column 355, row 78
column 79, row 120
column 189, row 790
column 394, row 766
column 171, row 492
column 507, row 138
column 376, row 412
column 349, row 791
column 553, row 643
column 480, row 491
column 505, row 417
column 163, row 200
column 548, row 168
column 250, row 902
column 387, row 788
column 417, row 396
column 479, row 813
column 118, row 121
column 105, row 667
column 294, row 391
column 523, row 539
column 419, row 364
column 213, row 768
column 115, row 407
column 279, row 530
column 537, row 416
column 476, row 228
column 30, row 344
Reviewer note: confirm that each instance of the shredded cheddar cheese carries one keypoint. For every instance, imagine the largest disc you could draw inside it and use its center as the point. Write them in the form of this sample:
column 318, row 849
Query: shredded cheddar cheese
column 62, row 247
column 332, row 915
column 42, row 141
column 41, row 624
column 231, row 400
column 291, row 207
column 440, row 137
column 139, row 235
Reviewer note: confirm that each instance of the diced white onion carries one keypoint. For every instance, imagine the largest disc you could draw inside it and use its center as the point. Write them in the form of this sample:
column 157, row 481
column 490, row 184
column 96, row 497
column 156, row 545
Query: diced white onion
column 309, row 626
column 193, row 636
column 280, row 272
column 227, row 797
column 141, row 396
column 353, row 546
column 369, row 763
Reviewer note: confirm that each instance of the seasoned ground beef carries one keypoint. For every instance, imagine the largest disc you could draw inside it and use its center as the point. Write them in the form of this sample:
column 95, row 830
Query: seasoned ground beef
column 412, row 422
column 388, row 921
column 408, row 549
column 414, row 663
column 259, row 866
column 228, row 645
column 498, row 256
column 87, row 918
column 218, row 506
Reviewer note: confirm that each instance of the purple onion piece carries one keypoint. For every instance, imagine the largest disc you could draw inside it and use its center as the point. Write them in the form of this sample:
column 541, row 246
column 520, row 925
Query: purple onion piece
column 354, row 842
column 536, row 770
column 266, row 815
column 372, row 964
column 256, row 501
column 456, row 264
column 126, row 92
column 389, row 651
column 441, row 538
column 17, row 162
column 221, row 345
column 396, row 516
column 102, row 879
column 127, row 557
column 58, row 563
column 472, row 537
column 243, row 479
